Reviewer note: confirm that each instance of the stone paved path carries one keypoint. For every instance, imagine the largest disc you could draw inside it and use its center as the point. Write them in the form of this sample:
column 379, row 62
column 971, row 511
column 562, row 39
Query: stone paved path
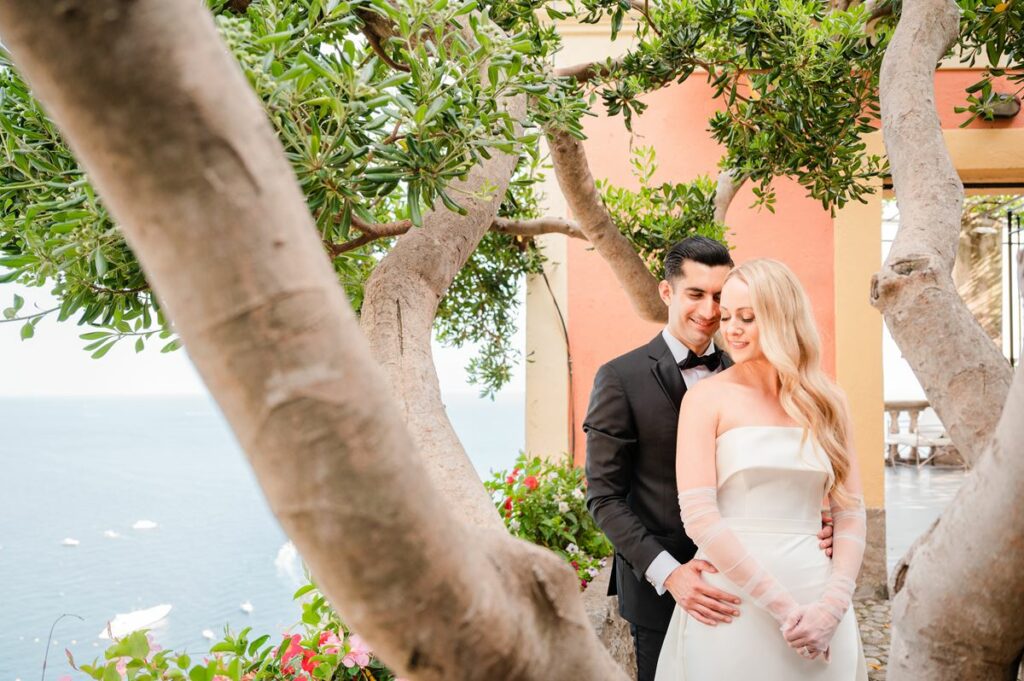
column 874, row 620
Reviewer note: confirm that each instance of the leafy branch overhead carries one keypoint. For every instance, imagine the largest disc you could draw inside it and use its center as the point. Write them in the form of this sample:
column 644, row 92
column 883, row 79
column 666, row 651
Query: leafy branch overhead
column 369, row 144
column 796, row 81
column 383, row 106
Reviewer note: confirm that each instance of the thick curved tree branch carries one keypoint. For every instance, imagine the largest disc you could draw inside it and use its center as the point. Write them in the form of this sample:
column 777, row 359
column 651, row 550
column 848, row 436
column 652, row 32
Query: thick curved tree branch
column 537, row 227
column 191, row 169
column 966, row 382
column 725, row 192
column 577, row 184
column 524, row 228
column 956, row 612
column 399, row 306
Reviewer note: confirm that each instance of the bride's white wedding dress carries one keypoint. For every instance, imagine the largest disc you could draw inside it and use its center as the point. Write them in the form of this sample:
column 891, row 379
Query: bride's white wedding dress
column 770, row 489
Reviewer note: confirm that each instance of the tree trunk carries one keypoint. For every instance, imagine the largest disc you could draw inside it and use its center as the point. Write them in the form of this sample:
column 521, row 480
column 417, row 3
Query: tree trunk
column 399, row 306
column 165, row 124
column 959, row 591
column 577, row 184
column 725, row 191
column 966, row 381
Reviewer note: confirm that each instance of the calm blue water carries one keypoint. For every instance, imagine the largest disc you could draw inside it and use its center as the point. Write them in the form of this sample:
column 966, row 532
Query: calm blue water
column 77, row 468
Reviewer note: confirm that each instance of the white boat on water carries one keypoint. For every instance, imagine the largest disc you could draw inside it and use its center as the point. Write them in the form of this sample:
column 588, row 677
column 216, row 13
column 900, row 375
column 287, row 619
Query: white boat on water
column 125, row 623
column 246, row 607
column 68, row 541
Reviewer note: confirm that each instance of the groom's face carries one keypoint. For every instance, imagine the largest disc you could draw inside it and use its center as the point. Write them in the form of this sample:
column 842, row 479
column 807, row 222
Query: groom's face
column 692, row 299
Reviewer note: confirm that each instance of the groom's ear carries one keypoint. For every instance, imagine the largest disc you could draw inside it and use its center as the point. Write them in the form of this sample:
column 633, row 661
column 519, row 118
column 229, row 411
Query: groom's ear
column 665, row 291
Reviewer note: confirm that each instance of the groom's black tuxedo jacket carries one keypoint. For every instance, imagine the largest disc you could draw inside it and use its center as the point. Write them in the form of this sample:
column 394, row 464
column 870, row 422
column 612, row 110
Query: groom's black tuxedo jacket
column 631, row 480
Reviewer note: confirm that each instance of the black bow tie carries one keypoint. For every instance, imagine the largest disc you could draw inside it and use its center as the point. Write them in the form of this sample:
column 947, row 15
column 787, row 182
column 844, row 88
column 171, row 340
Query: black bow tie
column 711, row 361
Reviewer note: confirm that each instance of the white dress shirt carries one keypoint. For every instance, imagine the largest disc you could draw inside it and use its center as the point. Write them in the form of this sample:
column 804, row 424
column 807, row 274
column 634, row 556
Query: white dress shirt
column 664, row 564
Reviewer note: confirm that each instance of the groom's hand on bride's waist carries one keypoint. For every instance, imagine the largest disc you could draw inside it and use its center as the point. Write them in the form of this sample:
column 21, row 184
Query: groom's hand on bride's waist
column 699, row 599
column 825, row 536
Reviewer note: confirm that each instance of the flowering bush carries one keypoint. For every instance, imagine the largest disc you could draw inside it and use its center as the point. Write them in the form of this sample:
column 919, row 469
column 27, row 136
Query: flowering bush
column 325, row 649
column 543, row 502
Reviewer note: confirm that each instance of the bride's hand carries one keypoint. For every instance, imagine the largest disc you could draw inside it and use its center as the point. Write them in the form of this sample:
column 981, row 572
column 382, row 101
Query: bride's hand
column 809, row 629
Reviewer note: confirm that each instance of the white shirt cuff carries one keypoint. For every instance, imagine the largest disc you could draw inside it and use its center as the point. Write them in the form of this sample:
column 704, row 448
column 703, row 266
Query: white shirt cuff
column 659, row 570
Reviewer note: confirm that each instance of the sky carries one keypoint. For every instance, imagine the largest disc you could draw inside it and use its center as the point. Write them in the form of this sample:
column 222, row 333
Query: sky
column 53, row 363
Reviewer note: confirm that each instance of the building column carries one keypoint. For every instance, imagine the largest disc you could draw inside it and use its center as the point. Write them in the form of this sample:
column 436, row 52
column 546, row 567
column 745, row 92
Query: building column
column 858, row 256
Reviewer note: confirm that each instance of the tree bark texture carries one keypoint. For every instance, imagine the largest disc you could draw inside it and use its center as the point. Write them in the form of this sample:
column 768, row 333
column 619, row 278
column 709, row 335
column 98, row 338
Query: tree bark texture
column 180, row 149
column 725, row 191
column 399, row 306
column 593, row 218
column 959, row 590
column 966, row 381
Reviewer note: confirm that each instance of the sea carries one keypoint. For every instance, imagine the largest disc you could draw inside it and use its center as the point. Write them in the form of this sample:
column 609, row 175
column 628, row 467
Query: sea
column 112, row 505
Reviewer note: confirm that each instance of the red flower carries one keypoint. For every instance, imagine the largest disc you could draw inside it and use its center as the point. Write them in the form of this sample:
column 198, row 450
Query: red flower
column 293, row 650
column 307, row 661
column 508, row 503
column 511, row 479
column 575, row 565
column 583, row 584
column 531, row 482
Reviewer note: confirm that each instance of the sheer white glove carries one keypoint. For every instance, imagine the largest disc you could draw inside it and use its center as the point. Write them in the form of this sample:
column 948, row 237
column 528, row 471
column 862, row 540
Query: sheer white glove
column 703, row 523
column 810, row 628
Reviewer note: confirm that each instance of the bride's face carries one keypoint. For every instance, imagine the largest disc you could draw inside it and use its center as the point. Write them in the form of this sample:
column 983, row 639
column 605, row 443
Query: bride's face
column 739, row 325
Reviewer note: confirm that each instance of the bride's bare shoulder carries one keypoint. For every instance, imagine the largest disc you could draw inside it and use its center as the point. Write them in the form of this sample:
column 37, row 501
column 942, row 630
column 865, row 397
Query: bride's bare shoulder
column 719, row 387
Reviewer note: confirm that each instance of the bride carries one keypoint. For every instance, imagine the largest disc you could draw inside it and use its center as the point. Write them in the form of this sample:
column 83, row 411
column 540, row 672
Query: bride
column 760, row 445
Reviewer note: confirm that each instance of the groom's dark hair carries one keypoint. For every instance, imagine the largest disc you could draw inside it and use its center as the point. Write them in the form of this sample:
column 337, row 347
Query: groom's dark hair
column 698, row 249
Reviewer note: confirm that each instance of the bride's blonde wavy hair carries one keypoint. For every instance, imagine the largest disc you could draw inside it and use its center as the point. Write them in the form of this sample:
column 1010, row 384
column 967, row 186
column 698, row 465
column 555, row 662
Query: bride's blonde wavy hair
column 790, row 342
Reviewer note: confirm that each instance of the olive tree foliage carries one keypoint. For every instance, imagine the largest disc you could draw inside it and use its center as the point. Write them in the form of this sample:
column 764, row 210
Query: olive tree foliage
column 379, row 122
column 369, row 143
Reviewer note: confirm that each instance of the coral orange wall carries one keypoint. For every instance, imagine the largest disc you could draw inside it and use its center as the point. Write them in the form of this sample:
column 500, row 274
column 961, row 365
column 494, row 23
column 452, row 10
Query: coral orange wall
column 601, row 322
column 949, row 93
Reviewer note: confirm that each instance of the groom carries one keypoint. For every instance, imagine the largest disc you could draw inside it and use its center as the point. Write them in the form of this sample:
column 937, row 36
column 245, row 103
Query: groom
column 631, row 451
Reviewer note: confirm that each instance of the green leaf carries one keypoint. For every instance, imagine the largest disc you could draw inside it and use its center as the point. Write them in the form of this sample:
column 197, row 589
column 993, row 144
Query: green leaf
column 27, row 331
column 103, row 350
column 302, row 591
column 101, row 263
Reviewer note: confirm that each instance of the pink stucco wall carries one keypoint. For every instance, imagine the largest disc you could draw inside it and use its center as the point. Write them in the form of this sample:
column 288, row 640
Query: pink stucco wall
column 601, row 322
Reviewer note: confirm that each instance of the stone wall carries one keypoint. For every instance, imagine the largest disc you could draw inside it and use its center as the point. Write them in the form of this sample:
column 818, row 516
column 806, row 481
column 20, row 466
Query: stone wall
column 613, row 631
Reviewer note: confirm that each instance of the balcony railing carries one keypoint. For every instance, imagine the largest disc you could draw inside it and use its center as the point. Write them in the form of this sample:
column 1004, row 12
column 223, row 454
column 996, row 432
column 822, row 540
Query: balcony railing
column 906, row 446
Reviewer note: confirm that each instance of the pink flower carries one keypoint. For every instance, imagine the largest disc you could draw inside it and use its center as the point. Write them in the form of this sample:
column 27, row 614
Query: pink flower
column 293, row 650
column 330, row 643
column 359, row 653
column 221, row 677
